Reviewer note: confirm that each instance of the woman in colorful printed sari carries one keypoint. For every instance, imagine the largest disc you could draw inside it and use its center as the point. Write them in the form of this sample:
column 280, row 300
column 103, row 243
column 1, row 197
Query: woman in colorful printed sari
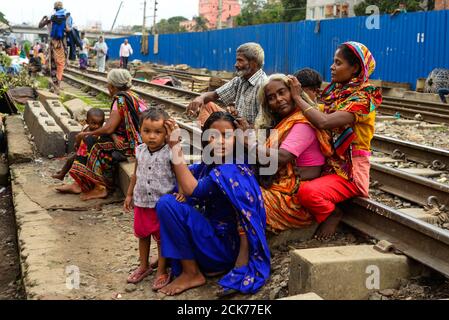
column 299, row 145
column 93, row 167
column 350, row 112
column 224, row 201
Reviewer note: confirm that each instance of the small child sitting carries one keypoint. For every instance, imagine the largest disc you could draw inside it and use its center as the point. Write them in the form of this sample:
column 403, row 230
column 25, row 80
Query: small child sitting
column 153, row 177
column 95, row 120
column 34, row 65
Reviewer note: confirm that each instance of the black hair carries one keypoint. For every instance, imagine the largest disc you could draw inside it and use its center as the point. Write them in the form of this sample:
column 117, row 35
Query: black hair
column 214, row 117
column 350, row 57
column 154, row 114
column 41, row 50
column 95, row 112
column 309, row 78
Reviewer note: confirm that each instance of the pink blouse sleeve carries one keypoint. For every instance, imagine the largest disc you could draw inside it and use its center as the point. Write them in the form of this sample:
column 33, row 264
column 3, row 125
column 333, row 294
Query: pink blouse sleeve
column 299, row 139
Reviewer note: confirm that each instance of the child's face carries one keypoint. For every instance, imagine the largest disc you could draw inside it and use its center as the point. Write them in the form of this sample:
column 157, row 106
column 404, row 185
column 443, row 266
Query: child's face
column 223, row 141
column 153, row 133
column 95, row 122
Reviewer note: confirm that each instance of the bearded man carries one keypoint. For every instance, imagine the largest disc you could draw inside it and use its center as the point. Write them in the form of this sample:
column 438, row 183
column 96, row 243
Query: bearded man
column 240, row 94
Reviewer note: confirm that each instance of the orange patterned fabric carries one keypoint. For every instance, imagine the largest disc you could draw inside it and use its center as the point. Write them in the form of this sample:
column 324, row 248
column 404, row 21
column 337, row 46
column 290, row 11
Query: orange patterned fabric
column 282, row 206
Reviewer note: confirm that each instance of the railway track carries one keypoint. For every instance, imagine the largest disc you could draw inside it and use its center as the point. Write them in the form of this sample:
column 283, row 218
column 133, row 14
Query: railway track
column 406, row 108
column 421, row 241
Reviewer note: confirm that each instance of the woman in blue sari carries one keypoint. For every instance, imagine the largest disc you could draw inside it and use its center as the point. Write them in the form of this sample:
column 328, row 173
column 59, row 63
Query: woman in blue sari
column 223, row 205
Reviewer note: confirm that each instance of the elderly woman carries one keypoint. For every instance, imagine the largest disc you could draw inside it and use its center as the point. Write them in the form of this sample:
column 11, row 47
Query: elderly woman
column 297, row 143
column 92, row 170
column 350, row 104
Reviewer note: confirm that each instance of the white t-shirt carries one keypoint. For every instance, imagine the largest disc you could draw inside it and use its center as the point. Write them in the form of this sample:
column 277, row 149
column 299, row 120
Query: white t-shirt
column 126, row 50
column 85, row 49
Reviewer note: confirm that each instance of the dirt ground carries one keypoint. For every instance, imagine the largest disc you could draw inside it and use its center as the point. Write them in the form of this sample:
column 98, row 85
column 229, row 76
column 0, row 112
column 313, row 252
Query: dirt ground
column 98, row 241
column 10, row 275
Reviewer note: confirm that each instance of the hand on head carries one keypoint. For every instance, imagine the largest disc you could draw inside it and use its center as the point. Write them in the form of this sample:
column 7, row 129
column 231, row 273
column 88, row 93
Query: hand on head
column 232, row 110
column 242, row 124
column 295, row 86
column 195, row 106
column 173, row 133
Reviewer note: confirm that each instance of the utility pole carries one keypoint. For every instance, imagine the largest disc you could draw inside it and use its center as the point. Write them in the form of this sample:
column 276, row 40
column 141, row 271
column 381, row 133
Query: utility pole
column 144, row 24
column 144, row 46
column 115, row 20
column 220, row 13
column 154, row 17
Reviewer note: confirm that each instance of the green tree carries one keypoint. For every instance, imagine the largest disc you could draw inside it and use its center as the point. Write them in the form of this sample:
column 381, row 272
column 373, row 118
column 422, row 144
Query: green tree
column 2, row 18
column 171, row 25
column 259, row 12
column 294, row 10
column 388, row 6
column 200, row 24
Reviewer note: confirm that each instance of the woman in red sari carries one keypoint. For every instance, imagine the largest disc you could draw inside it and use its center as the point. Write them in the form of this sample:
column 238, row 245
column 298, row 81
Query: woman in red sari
column 93, row 167
column 349, row 114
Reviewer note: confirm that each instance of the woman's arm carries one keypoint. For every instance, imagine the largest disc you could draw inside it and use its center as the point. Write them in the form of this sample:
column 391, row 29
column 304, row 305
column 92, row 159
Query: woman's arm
column 284, row 156
column 44, row 22
column 318, row 119
column 186, row 181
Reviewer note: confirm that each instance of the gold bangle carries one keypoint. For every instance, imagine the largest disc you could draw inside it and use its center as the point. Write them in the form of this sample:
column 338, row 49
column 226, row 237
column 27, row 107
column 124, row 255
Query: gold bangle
column 308, row 109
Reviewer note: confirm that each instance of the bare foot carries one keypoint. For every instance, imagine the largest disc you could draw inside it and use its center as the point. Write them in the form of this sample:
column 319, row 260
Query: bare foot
column 58, row 176
column 328, row 228
column 243, row 258
column 97, row 193
column 71, row 189
column 184, row 282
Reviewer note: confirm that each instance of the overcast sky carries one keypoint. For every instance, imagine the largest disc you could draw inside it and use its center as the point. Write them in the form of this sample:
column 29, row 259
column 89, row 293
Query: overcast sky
column 86, row 11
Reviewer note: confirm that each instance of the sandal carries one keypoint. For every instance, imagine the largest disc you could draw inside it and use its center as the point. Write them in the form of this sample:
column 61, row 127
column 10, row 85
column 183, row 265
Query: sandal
column 138, row 275
column 161, row 281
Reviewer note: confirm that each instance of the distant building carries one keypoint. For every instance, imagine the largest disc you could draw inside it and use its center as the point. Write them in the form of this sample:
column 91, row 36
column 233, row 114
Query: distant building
column 441, row 4
column 189, row 25
column 209, row 10
column 330, row 9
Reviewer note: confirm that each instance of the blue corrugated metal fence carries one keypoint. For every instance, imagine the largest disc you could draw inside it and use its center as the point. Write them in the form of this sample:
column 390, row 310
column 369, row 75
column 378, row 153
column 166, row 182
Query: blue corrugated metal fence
column 406, row 47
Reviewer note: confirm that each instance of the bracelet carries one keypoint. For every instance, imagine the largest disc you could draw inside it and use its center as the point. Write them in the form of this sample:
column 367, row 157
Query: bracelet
column 308, row 109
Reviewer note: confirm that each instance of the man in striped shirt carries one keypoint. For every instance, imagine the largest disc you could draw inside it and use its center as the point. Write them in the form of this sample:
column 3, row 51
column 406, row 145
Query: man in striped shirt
column 240, row 94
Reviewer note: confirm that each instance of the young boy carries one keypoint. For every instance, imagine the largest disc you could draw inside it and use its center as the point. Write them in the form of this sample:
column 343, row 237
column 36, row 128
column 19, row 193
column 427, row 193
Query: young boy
column 95, row 120
column 153, row 177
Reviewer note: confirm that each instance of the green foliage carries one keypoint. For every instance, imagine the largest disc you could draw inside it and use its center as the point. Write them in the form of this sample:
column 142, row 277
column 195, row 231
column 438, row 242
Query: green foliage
column 294, row 10
column 171, row 25
column 43, row 82
column 388, row 6
column 201, row 24
column 26, row 47
column 2, row 18
column 8, row 81
column 5, row 60
column 261, row 12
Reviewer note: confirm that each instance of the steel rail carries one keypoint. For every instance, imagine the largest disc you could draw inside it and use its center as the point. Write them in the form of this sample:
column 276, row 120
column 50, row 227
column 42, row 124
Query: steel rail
column 411, row 187
column 418, row 240
column 144, row 94
column 411, row 114
column 416, row 103
column 102, row 76
column 399, row 149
